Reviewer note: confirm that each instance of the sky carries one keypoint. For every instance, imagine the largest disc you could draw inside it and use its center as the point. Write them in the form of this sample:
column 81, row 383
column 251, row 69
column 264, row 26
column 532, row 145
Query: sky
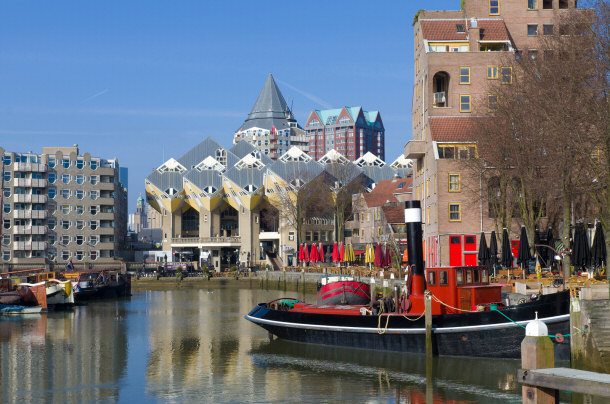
column 144, row 81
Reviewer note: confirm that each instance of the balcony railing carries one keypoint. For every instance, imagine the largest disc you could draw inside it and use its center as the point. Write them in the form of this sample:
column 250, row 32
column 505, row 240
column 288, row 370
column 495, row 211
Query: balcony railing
column 30, row 214
column 29, row 229
column 30, row 182
column 18, row 198
column 30, row 167
column 206, row 240
column 439, row 98
column 30, row 245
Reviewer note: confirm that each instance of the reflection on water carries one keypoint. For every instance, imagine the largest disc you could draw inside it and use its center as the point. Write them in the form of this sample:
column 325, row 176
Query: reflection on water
column 194, row 345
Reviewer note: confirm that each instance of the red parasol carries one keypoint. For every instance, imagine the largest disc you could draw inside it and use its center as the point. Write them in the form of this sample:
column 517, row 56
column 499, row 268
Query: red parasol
column 321, row 256
column 305, row 253
column 301, row 253
column 378, row 256
column 313, row 257
column 335, row 253
column 388, row 257
column 342, row 252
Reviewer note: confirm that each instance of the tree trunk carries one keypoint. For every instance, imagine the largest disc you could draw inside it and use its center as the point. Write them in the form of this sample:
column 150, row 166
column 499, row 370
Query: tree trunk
column 565, row 234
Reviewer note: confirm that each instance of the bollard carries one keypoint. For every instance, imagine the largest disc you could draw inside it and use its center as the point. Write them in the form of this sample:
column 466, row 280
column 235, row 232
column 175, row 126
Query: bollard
column 303, row 282
column 537, row 352
column 428, row 321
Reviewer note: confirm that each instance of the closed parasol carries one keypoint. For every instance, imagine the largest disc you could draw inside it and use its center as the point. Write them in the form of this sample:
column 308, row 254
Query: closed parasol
column 507, row 255
column 524, row 254
column 483, row 255
column 598, row 251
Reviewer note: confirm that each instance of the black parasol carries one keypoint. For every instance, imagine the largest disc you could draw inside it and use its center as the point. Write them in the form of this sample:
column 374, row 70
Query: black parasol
column 483, row 251
column 507, row 255
column 598, row 251
column 493, row 249
column 581, row 254
column 524, row 254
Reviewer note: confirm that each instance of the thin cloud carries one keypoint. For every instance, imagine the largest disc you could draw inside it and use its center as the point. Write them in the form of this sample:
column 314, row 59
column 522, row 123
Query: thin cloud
column 307, row 95
column 104, row 91
column 164, row 112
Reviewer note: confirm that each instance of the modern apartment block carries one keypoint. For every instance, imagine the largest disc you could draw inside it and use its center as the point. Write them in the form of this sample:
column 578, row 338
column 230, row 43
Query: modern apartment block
column 271, row 126
column 351, row 131
column 60, row 206
column 457, row 53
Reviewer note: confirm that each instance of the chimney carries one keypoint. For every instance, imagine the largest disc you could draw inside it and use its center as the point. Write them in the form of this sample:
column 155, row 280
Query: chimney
column 414, row 245
column 474, row 35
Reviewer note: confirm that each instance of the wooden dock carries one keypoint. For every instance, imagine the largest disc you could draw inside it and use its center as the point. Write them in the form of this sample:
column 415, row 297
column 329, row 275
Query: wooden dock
column 566, row 379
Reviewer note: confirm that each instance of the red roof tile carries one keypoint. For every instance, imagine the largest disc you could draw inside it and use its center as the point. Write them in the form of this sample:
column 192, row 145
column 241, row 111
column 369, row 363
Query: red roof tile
column 445, row 30
column 394, row 214
column 452, row 128
column 384, row 191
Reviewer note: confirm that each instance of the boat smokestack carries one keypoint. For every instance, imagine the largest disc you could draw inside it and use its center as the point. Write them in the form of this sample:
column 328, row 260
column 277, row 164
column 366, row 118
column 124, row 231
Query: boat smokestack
column 415, row 249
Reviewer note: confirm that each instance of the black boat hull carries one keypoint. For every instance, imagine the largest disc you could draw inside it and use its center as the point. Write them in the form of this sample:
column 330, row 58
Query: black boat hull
column 102, row 292
column 482, row 334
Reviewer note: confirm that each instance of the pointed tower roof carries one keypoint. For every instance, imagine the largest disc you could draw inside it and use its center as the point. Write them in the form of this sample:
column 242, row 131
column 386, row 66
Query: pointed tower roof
column 270, row 109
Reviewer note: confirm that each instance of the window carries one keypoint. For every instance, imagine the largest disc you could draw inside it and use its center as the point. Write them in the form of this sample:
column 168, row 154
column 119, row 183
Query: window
column 93, row 224
column 51, row 239
column 532, row 29
column 6, row 255
column 80, row 194
column 52, row 177
column 431, row 278
column 464, row 103
column 65, row 163
column 7, row 208
column 492, row 102
column 80, row 239
column 507, row 75
column 80, row 209
column 94, row 179
column 7, row 192
column 94, row 195
column 93, row 255
column 563, row 3
column 454, row 183
column 52, row 162
column 65, row 224
column 443, row 278
column 6, row 223
column 80, row 164
column 65, row 255
column 494, row 7
column 7, row 159
column 547, row 4
column 64, row 240
column 65, row 178
column 492, row 72
column 79, row 179
column 79, row 255
column 65, row 209
column 93, row 240
column 532, row 4
column 51, row 223
column 65, row 193
column 51, row 192
column 93, row 209
column 7, row 176
column 80, row 224
column 455, row 213
column 464, row 75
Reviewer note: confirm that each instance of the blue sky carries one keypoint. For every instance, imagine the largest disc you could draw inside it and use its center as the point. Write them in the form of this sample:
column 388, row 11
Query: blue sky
column 140, row 80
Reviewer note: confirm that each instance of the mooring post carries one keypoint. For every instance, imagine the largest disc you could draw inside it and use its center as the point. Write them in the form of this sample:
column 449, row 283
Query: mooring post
column 373, row 295
column 428, row 319
column 537, row 352
column 284, row 276
column 303, row 281
column 576, row 338
column 267, row 279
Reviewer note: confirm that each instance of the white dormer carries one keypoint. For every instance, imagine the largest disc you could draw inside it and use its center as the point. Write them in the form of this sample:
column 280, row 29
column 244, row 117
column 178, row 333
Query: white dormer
column 294, row 154
column 333, row 156
column 171, row 166
column 369, row 160
column 402, row 163
column 249, row 161
column 210, row 163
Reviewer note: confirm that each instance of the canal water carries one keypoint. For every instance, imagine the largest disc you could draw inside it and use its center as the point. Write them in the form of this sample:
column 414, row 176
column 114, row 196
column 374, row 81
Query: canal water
column 193, row 345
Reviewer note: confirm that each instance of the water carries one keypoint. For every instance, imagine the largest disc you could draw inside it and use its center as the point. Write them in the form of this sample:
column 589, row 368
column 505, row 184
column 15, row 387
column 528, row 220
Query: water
column 193, row 345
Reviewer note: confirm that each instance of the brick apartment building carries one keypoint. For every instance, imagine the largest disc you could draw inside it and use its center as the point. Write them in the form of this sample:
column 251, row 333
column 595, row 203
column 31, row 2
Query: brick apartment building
column 351, row 131
column 457, row 53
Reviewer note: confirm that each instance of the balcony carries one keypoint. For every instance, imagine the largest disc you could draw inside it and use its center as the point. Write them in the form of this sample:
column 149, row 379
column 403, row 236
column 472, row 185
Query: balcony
column 105, row 186
column 201, row 242
column 29, row 229
column 30, row 245
column 104, row 230
column 29, row 182
column 415, row 149
column 30, row 167
column 29, row 214
column 29, row 198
